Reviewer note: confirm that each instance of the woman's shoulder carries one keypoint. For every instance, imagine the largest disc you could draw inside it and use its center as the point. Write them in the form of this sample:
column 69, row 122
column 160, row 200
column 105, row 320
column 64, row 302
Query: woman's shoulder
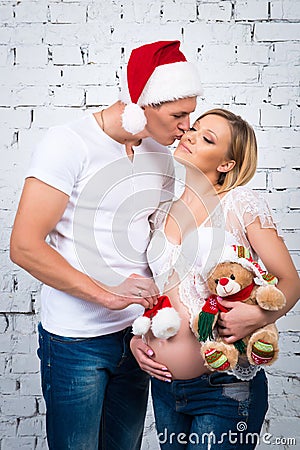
column 248, row 204
column 245, row 192
column 244, row 196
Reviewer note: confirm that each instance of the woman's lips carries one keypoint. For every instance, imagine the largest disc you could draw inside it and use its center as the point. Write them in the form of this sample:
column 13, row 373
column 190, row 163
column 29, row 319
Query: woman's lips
column 185, row 147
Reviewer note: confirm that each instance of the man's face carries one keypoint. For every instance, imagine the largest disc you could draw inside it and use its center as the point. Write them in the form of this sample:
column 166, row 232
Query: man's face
column 168, row 122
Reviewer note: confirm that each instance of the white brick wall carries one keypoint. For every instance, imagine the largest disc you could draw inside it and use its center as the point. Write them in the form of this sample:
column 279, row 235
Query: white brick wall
column 59, row 58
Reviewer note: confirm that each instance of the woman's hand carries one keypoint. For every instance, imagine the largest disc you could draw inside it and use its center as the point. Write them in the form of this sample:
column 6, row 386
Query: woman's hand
column 241, row 320
column 144, row 356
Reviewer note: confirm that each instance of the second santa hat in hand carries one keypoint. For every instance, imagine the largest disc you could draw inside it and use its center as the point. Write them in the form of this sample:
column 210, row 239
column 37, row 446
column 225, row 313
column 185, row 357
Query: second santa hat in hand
column 163, row 320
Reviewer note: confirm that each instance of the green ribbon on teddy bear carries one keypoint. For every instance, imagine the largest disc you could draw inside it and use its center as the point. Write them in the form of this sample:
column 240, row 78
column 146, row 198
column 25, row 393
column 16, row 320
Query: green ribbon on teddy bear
column 212, row 307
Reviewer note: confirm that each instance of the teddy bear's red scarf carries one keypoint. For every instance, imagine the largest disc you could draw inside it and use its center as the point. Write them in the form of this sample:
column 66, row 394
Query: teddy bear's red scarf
column 212, row 305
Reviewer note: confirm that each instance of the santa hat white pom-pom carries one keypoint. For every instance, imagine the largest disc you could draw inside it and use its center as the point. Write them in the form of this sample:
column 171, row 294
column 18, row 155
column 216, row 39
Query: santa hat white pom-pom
column 133, row 118
column 141, row 326
column 165, row 323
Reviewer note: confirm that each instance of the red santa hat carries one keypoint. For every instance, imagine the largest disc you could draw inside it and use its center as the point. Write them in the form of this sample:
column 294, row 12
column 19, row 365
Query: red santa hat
column 156, row 73
column 163, row 320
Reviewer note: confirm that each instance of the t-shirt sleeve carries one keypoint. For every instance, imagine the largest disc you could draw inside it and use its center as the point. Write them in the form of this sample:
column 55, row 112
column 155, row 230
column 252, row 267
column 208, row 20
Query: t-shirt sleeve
column 58, row 159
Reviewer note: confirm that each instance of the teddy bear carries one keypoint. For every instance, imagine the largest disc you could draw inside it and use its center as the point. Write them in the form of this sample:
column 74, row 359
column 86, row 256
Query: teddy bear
column 163, row 320
column 237, row 277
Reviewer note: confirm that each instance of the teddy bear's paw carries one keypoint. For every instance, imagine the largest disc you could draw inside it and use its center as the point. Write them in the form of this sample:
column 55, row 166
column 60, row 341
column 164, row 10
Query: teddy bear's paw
column 270, row 298
column 262, row 352
column 216, row 360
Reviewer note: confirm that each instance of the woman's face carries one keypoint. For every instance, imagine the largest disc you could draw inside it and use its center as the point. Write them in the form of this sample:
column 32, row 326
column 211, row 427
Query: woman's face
column 169, row 122
column 205, row 146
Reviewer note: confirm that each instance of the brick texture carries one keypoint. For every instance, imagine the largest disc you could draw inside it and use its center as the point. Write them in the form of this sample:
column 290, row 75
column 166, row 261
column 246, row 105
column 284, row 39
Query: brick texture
column 61, row 58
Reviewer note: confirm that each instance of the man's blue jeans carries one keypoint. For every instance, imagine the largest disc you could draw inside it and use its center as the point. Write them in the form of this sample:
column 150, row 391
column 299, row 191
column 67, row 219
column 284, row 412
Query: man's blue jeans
column 95, row 393
column 215, row 411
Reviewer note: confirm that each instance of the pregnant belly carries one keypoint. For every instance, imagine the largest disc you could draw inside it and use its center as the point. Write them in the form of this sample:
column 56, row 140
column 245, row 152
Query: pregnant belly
column 180, row 354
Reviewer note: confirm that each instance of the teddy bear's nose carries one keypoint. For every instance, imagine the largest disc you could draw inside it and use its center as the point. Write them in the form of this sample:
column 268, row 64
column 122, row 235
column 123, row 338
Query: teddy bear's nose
column 223, row 281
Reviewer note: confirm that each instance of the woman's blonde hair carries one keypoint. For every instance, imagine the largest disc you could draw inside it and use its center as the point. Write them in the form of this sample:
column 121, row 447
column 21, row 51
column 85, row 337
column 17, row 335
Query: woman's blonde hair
column 243, row 150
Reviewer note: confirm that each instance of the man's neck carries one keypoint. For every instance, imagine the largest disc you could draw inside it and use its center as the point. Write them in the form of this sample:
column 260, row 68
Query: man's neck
column 110, row 121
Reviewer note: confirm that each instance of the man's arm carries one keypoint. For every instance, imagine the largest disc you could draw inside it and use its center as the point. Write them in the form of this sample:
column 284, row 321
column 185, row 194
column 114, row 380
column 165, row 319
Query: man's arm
column 40, row 209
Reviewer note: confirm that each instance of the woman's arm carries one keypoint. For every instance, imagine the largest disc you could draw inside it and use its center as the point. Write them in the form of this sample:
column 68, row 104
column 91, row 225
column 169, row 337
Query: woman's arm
column 243, row 319
column 40, row 209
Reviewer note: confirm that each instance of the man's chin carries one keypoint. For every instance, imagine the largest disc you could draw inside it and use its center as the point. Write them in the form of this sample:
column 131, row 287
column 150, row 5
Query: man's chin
column 169, row 141
column 165, row 141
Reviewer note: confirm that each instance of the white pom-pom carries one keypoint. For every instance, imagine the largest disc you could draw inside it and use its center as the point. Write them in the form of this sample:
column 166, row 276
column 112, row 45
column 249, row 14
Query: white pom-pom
column 141, row 326
column 133, row 118
column 165, row 323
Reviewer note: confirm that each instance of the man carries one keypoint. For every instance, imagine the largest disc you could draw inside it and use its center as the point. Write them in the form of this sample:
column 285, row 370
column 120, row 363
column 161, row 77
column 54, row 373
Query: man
column 91, row 187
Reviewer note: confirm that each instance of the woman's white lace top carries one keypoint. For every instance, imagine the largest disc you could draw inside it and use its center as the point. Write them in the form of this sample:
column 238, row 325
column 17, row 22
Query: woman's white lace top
column 202, row 248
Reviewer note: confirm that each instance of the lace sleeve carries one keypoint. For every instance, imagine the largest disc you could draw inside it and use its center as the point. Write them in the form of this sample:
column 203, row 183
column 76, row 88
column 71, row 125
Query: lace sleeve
column 251, row 205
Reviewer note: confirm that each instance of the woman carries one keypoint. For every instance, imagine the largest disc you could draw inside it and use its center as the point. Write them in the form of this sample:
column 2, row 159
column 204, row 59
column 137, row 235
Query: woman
column 199, row 408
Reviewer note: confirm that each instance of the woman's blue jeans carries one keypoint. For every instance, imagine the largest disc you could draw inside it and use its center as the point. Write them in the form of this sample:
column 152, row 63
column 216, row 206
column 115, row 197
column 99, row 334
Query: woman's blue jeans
column 214, row 411
column 95, row 393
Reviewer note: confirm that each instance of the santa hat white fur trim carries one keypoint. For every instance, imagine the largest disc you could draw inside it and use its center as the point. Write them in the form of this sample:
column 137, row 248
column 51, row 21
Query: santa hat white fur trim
column 171, row 82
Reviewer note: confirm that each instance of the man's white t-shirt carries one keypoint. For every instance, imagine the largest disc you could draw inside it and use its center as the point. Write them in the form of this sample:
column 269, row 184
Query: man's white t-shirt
column 104, row 231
